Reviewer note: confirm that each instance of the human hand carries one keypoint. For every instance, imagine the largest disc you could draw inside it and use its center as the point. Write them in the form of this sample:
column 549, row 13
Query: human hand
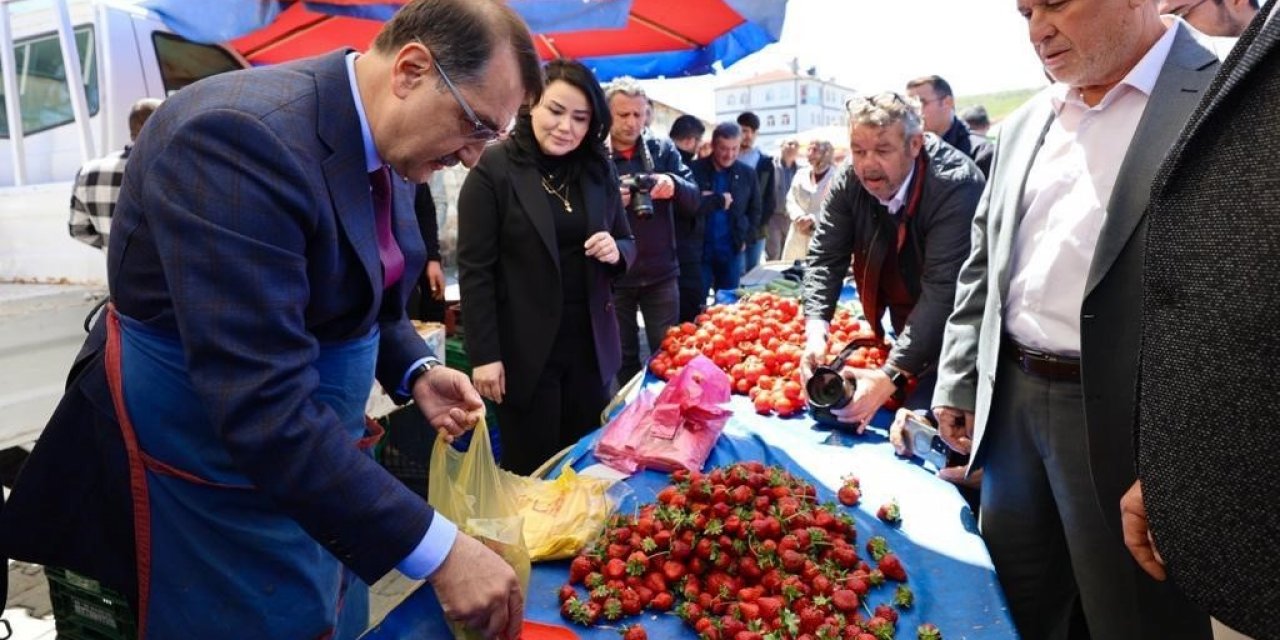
column 626, row 196
column 873, row 389
column 897, row 433
column 602, row 247
column 477, row 588
column 435, row 278
column 805, row 223
column 815, row 352
column 1137, row 535
column 728, row 199
column 956, row 428
column 665, row 187
column 491, row 380
column 448, row 401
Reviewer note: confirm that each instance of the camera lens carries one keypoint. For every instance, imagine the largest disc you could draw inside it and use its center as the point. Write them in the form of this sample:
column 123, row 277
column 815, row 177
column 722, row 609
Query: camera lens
column 828, row 389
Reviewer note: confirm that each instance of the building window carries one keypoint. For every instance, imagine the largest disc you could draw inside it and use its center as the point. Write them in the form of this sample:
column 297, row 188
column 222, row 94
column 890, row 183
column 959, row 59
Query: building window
column 733, row 99
column 786, row 119
column 770, row 122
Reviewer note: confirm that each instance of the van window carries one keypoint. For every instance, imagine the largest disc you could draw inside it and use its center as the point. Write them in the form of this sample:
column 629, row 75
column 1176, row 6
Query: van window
column 182, row 61
column 42, row 81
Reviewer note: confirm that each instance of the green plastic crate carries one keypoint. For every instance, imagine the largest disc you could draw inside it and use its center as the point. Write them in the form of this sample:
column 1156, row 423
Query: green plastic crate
column 83, row 609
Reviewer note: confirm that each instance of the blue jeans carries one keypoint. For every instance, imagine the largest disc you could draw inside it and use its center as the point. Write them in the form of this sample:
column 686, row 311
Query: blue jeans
column 747, row 260
column 721, row 271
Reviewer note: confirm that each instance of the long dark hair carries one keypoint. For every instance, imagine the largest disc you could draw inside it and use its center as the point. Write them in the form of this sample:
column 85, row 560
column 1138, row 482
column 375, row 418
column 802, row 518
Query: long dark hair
column 591, row 156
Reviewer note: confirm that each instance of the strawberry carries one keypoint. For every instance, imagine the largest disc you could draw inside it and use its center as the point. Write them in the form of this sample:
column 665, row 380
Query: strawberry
column 662, row 601
column 887, row 612
column 566, row 592
column 615, row 569
column 634, row 632
column 637, row 562
column 630, row 601
column 672, row 570
column 849, row 495
column 655, row 582
column 889, row 512
column 892, row 569
column 769, row 607
column 612, row 609
column 928, row 631
column 877, row 547
column 844, row 600
column 903, row 598
column 880, row 628
column 579, row 568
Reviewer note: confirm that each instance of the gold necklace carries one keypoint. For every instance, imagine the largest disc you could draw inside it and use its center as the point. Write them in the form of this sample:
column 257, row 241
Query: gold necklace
column 564, row 199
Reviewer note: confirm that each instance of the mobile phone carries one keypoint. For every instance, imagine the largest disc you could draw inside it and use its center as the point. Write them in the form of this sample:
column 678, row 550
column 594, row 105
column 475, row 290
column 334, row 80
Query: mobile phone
column 926, row 444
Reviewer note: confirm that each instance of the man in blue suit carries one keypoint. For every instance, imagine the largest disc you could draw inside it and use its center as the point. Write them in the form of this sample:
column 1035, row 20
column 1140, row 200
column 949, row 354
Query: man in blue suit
column 261, row 240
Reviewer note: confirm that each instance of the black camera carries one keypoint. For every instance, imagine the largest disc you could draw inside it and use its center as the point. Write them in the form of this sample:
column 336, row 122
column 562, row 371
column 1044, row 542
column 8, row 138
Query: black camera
column 640, row 185
column 828, row 388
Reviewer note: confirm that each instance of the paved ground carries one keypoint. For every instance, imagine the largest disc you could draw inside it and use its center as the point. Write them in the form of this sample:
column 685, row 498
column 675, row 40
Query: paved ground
column 30, row 614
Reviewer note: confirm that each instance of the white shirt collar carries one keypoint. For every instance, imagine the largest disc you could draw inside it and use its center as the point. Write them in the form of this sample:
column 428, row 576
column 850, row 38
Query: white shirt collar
column 1141, row 77
column 372, row 160
column 900, row 197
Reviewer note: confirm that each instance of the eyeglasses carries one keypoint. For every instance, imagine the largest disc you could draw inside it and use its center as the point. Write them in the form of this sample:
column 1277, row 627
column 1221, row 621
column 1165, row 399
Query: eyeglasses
column 1185, row 10
column 481, row 131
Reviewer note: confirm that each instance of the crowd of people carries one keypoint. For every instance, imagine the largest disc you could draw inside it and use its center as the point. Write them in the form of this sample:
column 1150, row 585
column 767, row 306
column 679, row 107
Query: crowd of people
column 1051, row 293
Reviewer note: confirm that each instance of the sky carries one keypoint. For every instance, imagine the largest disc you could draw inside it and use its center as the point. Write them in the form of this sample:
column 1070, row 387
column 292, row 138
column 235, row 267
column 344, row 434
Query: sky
column 979, row 46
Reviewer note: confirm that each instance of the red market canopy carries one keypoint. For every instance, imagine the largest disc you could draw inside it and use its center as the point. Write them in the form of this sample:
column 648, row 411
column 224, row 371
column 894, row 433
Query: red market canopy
column 642, row 38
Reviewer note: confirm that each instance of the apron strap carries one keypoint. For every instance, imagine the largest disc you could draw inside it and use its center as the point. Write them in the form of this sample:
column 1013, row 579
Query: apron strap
column 137, row 470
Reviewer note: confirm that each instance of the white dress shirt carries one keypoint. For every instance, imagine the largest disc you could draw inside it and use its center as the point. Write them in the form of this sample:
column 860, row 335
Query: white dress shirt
column 900, row 198
column 1064, row 204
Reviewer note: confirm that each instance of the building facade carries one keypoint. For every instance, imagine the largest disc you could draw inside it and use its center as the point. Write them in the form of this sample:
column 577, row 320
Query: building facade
column 787, row 103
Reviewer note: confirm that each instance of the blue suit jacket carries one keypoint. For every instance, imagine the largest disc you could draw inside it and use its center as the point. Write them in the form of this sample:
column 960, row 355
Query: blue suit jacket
column 245, row 227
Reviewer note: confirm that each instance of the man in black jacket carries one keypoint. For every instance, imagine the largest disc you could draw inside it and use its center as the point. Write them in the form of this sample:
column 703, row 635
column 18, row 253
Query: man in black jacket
column 656, row 188
column 729, row 212
column 902, row 209
column 938, row 108
column 752, row 156
column 686, row 133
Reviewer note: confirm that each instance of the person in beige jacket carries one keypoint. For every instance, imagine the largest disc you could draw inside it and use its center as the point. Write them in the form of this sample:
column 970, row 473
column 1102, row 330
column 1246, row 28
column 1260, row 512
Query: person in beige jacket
column 805, row 198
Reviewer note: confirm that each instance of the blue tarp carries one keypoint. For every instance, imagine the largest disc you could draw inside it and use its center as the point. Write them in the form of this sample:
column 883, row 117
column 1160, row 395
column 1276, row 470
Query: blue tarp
column 947, row 564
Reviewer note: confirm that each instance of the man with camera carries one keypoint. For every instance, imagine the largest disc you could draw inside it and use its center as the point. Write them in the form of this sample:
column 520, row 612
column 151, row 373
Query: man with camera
column 656, row 186
column 903, row 210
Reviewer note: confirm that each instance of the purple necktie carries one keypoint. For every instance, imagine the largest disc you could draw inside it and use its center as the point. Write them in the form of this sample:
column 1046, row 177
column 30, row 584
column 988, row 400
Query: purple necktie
column 388, row 251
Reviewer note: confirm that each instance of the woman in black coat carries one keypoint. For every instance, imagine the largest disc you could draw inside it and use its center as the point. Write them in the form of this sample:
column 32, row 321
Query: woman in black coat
column 541, row 235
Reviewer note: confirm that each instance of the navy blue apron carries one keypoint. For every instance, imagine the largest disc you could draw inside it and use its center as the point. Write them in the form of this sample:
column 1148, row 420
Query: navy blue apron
column 216, row 558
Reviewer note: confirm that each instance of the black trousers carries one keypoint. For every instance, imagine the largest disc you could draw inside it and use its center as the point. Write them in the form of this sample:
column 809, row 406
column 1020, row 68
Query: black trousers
column 693, row 291
column 566, row 403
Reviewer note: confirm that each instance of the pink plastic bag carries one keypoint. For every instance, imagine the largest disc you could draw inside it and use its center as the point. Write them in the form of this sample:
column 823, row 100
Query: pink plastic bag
column 675, row 430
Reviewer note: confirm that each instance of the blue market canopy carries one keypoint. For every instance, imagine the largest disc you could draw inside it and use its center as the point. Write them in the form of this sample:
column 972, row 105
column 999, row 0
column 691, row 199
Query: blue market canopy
column 640, row 38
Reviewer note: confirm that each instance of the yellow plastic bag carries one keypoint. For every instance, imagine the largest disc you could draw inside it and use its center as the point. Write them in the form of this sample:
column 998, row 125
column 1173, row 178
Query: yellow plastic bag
column 469, row 489
column 562, row 515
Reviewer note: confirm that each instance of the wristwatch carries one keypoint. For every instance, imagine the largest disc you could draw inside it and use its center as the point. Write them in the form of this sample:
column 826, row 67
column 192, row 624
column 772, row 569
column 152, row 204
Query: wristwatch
column 421, row 369
column 897, row 376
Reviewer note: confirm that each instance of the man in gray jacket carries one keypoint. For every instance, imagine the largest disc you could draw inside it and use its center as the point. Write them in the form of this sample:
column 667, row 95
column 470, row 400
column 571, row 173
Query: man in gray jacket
column 1040, row 361
column 902, row 210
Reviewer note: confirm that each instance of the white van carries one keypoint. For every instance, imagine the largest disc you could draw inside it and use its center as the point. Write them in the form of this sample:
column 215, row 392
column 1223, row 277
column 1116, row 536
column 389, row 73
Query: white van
column 124, row 53
column 49, row 281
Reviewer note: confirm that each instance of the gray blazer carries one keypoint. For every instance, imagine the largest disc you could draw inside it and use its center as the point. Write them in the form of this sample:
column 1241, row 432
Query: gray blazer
column 1109, row 329
column 1207, row 435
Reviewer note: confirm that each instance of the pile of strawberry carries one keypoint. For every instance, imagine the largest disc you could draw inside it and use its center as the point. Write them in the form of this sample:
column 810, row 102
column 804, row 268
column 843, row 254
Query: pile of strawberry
column 742, row 552
column 759, row 341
